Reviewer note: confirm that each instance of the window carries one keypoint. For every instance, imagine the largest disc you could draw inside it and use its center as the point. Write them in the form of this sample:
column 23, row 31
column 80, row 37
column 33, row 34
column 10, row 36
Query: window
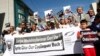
column 21, row 14
column 21, row 18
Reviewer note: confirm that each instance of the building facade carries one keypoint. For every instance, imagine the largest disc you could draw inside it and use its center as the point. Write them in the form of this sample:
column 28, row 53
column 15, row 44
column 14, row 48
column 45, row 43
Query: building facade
column 22, row 12
column 16, row 11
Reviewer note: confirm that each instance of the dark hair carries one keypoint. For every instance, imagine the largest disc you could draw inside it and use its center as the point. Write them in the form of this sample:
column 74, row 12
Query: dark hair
column 7, row 24
column 97, row 16
column 83, row 21
column 89, row 10
column 52, row 23
column 34, row 24
column 98, row 10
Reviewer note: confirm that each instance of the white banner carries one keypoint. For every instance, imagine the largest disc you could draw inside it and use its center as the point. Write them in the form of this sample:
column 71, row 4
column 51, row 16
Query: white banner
column 46, row 43
column 52, row 42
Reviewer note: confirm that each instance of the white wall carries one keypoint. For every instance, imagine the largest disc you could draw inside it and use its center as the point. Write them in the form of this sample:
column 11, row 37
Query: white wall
column 7, row 7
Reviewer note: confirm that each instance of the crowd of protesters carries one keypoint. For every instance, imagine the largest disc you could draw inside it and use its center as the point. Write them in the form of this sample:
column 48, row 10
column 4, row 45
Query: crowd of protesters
column 66, row 20
column 80, row 19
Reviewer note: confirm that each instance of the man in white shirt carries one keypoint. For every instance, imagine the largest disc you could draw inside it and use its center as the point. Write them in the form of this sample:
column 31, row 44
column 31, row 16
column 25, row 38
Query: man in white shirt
column 80, row 15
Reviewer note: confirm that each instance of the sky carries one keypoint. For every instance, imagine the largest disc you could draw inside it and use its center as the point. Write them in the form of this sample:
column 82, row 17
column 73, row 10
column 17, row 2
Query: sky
column 57, row 5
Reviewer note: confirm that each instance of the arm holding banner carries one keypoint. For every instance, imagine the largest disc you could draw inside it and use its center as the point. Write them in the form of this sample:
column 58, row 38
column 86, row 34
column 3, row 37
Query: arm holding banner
column 56, row 22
